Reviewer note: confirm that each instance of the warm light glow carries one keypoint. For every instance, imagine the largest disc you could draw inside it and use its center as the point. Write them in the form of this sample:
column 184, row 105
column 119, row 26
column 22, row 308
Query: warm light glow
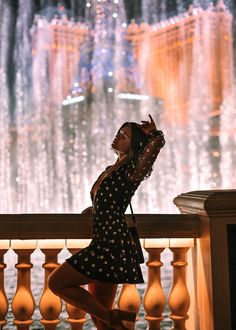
column 77, row 243
column 4, row 244
column 156, row 243
column 181, row 242
column 168, row 242
column 23, row 244
column 51, row 243
column 141, row 240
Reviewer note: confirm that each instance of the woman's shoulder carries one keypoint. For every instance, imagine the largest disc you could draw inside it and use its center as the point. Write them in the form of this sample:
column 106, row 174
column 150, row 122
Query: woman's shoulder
column 122, row 165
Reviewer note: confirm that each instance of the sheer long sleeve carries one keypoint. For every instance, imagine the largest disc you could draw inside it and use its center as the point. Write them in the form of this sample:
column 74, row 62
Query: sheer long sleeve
column 145, row 161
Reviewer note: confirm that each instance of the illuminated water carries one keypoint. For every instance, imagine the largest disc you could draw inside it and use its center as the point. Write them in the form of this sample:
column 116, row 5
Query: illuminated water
column 50, row 154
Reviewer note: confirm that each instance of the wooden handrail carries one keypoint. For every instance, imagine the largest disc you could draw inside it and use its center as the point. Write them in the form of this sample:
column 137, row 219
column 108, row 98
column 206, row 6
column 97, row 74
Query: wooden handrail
column 79, row 226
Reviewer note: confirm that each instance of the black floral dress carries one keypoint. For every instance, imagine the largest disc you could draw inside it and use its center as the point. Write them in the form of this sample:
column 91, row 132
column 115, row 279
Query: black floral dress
column 111, row 256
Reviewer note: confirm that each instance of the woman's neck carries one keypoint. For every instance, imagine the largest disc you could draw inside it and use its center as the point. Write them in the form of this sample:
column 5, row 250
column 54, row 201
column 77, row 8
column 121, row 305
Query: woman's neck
column 122, row 158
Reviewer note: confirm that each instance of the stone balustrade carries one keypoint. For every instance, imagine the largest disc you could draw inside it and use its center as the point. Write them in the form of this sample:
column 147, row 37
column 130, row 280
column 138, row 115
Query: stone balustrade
column 50, row 233
column 201, row 240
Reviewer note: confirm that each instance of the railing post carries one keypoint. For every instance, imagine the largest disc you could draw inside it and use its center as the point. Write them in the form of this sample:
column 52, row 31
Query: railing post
column 179, row 299
column 129, row 300
column 154, row 298
column 50, row 305
column 23, row 302
column 214, row 276
column 76, row 317
column 4, row 246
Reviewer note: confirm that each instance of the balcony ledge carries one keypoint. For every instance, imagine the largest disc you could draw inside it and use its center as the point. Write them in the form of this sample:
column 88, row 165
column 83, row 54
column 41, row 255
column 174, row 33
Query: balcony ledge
column 79, row 226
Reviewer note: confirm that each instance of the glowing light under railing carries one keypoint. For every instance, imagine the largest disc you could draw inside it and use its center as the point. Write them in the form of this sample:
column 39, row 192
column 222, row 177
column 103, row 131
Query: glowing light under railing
column 24, row 244
column 51, row 243
column 4, row 244
column 129, row 96
column 168, row 242
column 142, row 242
column 156, row 243
column 181, row 242
column 77, row 243
column 72, row 100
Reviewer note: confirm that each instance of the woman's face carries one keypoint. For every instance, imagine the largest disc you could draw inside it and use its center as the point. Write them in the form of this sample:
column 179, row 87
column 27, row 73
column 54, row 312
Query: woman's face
column 122, row 140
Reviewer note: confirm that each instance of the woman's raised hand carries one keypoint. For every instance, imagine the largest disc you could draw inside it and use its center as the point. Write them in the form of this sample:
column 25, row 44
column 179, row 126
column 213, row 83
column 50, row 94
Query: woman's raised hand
column 148, row 127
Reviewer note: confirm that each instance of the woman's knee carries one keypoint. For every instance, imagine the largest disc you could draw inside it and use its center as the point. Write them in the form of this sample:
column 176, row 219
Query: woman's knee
column 53, row 283
column 58, row 277
column 65, row 276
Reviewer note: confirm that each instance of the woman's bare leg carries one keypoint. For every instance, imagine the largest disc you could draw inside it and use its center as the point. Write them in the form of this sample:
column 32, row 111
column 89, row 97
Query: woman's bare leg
column 64, row 281
column 105, row 293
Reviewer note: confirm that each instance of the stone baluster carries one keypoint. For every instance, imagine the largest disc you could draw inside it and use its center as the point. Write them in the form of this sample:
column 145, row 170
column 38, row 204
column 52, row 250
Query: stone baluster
column 23, row 304
column 179, row 299
column 4, row 246
column 50, row 305
column 76, row 316
column 129, row 300
column 154, row 298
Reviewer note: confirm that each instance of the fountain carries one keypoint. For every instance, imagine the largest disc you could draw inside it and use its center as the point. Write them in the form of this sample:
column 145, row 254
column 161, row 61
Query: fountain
column 53, row 149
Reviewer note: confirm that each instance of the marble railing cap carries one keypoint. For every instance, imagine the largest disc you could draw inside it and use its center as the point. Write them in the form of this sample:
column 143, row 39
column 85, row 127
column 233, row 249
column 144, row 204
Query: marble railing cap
column 207, row 201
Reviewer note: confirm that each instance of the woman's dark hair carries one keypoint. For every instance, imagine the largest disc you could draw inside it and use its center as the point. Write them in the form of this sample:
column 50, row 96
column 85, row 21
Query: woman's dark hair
column 138, row 141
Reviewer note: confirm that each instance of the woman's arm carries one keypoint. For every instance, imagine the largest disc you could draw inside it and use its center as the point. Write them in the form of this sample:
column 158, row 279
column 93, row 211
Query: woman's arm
column 146, row 159
column 88, row 211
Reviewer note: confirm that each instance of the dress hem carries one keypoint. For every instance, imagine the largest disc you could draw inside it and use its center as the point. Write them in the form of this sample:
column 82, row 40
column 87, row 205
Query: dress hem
column 102, row 279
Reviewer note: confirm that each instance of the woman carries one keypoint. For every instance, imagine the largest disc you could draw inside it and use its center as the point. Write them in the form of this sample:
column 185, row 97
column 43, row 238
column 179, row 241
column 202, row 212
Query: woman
column 111, row 257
